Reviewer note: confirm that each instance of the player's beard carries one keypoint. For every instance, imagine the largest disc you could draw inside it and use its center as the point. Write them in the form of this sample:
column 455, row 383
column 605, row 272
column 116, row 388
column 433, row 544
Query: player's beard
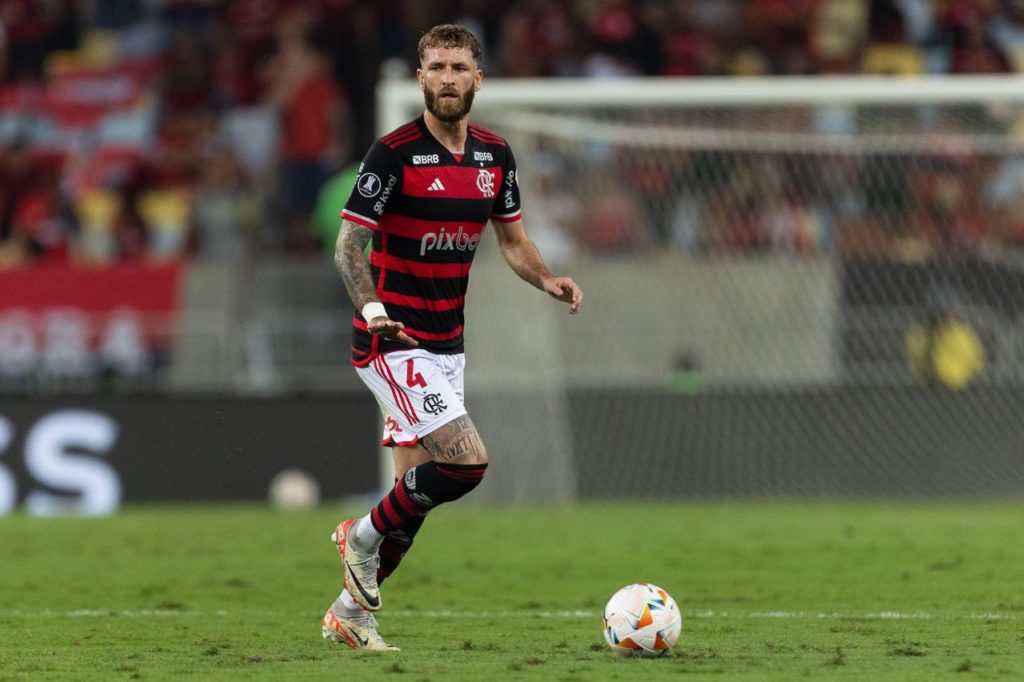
column 448, row 111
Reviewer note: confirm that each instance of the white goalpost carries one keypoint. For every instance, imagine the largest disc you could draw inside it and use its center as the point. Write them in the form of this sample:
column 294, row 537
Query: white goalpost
column 397, row 98
column 795, row 287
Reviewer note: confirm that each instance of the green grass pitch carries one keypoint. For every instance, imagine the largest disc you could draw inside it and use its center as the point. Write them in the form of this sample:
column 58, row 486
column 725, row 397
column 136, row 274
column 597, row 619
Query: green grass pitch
column 769, row 591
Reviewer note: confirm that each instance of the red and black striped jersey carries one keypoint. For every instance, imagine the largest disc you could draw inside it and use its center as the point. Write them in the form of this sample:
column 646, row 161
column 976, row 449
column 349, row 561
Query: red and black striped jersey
column 428, row 211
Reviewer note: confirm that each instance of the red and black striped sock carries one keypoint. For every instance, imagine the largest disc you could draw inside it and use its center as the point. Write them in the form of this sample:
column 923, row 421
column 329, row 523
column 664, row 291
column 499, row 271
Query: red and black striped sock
column 395, row 546
column 421, row 489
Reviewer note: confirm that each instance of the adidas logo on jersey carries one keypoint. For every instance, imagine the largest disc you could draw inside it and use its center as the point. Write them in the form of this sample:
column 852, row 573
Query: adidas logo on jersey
column 436, row 186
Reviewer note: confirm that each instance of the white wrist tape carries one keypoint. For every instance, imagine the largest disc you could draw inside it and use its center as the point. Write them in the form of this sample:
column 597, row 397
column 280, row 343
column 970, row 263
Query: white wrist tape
column 373, row 309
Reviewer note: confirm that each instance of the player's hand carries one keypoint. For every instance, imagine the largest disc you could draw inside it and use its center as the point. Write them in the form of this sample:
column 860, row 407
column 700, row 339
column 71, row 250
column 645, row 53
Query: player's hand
column 566, row 290
column 391, row 329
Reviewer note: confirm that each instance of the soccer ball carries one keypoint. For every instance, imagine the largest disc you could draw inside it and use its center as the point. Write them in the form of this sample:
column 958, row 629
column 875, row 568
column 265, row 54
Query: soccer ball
column 641, row 620
column 293, row 489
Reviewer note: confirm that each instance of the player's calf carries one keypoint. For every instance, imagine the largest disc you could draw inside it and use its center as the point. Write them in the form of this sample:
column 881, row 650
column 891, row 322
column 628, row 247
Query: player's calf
column 395, row 546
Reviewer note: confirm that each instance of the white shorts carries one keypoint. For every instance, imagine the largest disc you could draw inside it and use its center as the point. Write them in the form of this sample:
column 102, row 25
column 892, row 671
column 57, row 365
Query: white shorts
column 417, row 391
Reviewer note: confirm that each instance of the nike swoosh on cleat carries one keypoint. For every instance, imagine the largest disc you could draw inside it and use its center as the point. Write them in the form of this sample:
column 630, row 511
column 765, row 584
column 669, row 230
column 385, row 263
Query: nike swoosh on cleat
column 369, row 600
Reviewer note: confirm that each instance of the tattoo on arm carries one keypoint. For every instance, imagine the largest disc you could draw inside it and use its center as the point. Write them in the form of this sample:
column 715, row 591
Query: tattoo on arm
column 453, row 441
column 351, row 263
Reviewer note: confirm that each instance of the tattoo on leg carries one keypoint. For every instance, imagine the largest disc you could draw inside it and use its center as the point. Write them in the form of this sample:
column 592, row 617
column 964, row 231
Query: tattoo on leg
column 453, row 440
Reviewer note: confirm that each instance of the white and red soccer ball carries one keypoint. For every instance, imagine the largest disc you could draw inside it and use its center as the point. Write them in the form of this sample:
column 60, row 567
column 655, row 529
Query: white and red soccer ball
column 641, row 620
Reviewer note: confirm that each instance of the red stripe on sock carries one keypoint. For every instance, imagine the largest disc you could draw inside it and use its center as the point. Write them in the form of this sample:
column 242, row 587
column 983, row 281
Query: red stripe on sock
column 474, row 474
column 468, row 468
column 456, row 473
column 408, row 504
column 393, row 517
column 378, row 522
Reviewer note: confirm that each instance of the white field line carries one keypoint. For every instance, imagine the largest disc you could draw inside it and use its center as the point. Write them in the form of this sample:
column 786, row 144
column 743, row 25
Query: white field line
column 578, row 614
column 104, row 613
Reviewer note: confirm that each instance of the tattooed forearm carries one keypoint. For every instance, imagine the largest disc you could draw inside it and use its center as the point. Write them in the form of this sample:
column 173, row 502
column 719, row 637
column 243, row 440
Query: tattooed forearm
column 351, row 262
column 456, row 440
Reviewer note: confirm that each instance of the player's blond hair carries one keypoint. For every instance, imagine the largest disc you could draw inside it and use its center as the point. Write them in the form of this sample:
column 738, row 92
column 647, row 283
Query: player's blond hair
column 450, row 35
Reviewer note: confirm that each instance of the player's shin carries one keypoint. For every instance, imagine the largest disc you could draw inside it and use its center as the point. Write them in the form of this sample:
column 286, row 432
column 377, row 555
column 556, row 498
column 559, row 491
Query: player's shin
column 395, row 546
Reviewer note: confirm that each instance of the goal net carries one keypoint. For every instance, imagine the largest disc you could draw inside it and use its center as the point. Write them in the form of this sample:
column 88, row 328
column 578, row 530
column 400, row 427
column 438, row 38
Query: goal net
column 794, row 288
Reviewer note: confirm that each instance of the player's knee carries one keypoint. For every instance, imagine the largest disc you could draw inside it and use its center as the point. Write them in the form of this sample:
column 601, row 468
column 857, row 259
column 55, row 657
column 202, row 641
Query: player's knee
column 434, row 483
column 456, row 480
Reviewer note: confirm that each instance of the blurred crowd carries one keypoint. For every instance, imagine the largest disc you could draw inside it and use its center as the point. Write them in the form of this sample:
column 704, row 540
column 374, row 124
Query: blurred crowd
column 154, row 129
column 905, row 182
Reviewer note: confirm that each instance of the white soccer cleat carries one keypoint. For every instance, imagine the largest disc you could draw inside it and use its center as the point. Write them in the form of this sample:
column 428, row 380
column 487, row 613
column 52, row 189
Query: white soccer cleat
column 357, row 632
column 360, row 569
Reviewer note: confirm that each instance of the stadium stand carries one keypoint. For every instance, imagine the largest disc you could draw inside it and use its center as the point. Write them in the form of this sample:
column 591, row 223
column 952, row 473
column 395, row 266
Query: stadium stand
column 842, row 281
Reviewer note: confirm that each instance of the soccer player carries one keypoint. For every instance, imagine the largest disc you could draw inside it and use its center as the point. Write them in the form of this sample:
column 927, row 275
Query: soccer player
column 424, row 194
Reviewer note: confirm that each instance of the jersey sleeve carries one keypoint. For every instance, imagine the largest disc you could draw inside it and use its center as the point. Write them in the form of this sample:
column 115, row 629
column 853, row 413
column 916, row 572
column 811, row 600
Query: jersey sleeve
column 507, row 207
column 378, row 180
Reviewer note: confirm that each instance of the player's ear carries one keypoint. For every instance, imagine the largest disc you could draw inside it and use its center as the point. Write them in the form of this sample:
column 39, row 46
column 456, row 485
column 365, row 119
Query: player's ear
column 421, row 79
column 478, row 80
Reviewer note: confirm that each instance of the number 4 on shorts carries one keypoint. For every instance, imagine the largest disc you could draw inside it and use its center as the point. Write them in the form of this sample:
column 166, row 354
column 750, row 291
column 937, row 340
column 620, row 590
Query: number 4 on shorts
column 413, row 378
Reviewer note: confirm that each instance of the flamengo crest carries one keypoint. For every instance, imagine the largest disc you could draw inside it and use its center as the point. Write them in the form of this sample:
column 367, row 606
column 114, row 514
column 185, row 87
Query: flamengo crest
column 433, row 403
column 485, row 182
